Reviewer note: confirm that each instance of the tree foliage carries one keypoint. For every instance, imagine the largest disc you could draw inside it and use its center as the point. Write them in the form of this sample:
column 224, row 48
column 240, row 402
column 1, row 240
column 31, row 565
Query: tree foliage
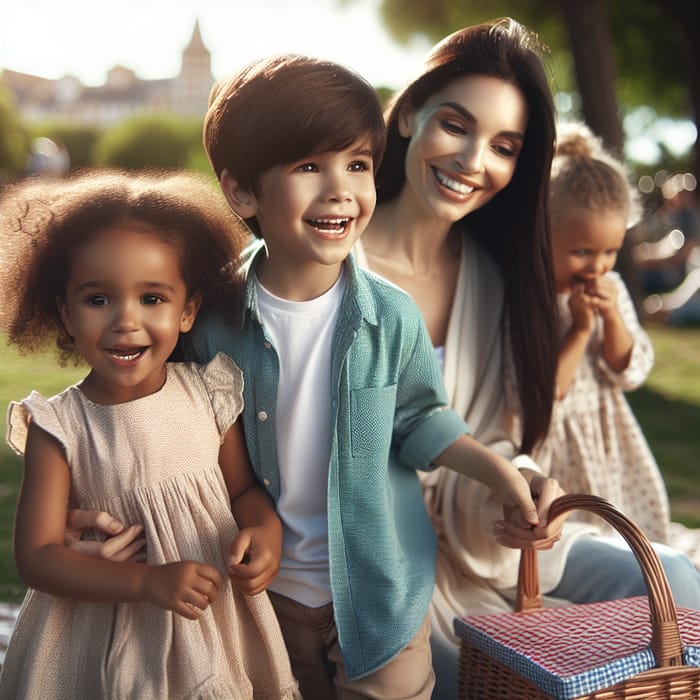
column 150, row 141
column 14, row 141
column 648, row 40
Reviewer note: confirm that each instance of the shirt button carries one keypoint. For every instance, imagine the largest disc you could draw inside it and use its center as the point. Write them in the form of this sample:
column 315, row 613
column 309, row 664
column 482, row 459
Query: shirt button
column 266, row 482
column 262, row 415
column 267, row 344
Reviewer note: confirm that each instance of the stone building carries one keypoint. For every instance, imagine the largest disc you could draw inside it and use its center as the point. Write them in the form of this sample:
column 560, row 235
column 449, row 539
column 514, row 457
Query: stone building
column 122, row 95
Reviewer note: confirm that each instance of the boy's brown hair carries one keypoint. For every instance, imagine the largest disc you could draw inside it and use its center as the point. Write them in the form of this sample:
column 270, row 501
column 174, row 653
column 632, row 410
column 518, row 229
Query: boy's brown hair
column 282, row 109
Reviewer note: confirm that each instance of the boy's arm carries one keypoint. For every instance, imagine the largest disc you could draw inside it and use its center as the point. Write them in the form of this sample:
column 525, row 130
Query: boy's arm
column 468, row 457
column 257, row 550
column 45, row 563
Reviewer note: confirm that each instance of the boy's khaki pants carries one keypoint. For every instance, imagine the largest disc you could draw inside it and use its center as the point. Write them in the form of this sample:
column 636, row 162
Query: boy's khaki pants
column 312, row 642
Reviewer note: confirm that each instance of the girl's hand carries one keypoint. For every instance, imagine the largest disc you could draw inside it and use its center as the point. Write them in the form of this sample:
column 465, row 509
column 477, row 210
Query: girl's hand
column 122, row 544
column 602, row 293
column 185, row 587
column 583, row 310
column 255, row 560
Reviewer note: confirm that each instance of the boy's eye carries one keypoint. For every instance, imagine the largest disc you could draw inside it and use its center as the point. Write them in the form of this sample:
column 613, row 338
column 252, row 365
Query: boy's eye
column 97, row 300
column 359, row 166
column 150, row 299
column 306, row 168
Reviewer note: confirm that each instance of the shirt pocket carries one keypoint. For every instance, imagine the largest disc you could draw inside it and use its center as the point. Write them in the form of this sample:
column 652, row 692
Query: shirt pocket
column 372, row 420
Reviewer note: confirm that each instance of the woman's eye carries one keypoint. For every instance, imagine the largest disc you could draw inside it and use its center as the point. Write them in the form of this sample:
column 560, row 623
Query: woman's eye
column 97, row 300
column 453, row 127
column 507, row 151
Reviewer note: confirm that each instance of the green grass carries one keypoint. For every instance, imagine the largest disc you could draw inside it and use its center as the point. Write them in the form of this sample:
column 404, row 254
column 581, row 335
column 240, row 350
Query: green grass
column 668, row 408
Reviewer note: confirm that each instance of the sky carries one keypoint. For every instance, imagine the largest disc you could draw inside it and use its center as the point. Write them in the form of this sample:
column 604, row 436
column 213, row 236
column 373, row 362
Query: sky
column 85, row 38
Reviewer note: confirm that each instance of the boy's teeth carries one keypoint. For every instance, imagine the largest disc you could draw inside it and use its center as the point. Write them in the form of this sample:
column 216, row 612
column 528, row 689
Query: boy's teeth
column 455, row 185
column 329, row 224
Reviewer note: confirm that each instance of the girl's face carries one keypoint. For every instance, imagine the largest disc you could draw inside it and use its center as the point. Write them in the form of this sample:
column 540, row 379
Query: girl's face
column 126, row 304
column 464, row 144
column 585, row 244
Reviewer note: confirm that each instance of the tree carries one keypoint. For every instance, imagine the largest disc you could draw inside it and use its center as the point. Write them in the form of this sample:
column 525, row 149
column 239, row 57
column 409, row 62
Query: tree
column 150, row 141
column 640, row 52
column 14, row 142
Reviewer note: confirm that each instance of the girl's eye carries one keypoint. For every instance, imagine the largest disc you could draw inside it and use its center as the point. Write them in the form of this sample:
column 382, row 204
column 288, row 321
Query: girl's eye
column 151, row 299
column 97, row 300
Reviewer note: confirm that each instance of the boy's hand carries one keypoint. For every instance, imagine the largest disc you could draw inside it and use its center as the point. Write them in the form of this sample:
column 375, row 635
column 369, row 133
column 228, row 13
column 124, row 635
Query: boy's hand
column 122, row 543
column 254, row 560
column 514, row 532
column 185, row 587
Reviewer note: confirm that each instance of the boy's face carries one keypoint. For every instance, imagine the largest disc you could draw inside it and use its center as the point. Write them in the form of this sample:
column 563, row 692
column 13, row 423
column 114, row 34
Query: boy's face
column 313, row 210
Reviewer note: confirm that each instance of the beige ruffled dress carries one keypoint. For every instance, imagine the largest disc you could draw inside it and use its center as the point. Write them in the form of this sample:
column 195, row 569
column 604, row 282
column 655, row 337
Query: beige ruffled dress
column 152, row 461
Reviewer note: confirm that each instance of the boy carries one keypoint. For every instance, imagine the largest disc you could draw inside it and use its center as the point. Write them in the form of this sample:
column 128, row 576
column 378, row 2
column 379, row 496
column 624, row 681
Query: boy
column 343, row 394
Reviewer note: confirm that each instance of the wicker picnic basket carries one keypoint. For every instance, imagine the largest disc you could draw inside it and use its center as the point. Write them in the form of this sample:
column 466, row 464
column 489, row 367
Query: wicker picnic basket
column 596, row 651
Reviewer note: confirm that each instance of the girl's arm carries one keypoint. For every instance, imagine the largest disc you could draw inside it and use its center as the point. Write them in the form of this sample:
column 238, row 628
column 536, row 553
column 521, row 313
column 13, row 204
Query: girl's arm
column 257, row 549
column 47, row 564
column 574, row 344
column 617, row 341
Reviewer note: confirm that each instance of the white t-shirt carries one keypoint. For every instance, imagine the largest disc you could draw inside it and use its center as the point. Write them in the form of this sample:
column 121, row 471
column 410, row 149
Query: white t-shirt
column 302, row 333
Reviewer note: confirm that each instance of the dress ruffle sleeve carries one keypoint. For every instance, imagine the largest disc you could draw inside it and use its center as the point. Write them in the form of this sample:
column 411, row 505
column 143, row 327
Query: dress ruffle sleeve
column 34, row 409
column 223, row 380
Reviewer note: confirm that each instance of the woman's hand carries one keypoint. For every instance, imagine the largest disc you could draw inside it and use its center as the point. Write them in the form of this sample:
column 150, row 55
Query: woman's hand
column 123, row 543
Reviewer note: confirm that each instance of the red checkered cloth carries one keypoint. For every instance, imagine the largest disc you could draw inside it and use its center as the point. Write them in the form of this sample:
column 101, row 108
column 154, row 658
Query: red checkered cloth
column 573, row 651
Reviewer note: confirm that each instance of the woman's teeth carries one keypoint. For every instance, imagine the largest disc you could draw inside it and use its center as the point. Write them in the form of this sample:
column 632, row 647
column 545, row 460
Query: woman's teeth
column 451, row 184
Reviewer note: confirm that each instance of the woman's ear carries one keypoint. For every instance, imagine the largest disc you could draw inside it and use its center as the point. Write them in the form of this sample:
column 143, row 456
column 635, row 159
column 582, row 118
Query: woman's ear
column 241, row 200
column 405, row 122
column 189, row 313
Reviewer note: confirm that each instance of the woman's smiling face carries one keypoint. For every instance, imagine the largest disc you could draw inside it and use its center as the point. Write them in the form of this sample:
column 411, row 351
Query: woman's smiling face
column 464, row 144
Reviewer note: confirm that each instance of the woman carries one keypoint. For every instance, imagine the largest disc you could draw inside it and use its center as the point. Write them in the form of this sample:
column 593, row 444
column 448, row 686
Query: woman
column 462, row 225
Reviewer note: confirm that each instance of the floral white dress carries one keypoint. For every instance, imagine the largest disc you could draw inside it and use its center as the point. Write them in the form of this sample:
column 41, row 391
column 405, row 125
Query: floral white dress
column 153, row 461
column 595, row 444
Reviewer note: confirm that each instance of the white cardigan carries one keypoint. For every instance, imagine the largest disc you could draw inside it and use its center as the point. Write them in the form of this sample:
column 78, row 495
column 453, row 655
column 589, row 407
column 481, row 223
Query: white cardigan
column 474, row 572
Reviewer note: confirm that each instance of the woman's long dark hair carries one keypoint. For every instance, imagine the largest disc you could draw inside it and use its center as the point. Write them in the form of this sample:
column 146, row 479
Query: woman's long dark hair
column 514, row 226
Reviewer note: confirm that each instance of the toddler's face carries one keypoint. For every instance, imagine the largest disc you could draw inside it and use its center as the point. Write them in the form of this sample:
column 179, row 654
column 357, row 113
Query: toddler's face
column 585, row 245
column 126, row 304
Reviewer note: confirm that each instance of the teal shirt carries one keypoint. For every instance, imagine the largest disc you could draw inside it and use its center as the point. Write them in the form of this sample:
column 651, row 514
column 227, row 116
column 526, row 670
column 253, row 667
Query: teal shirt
column 390, row 417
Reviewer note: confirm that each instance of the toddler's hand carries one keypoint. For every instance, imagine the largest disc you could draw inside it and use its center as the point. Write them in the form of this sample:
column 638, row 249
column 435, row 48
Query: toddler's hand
column 254, row 561
column 583, row 310
column 185, row 587
column 603, row 294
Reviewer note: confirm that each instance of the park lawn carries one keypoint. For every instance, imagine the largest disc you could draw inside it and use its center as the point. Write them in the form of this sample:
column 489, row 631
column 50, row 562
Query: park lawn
column 668, row 408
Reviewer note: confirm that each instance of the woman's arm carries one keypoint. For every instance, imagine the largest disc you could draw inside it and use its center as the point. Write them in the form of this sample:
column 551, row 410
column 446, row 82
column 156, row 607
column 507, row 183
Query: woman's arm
column 44, row 562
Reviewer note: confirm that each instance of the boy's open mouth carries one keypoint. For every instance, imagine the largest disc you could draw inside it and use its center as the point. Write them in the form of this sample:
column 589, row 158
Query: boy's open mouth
column 329, row 225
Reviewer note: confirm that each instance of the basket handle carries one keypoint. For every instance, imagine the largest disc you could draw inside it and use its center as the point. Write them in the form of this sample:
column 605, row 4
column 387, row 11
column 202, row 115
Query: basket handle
column 665, row 636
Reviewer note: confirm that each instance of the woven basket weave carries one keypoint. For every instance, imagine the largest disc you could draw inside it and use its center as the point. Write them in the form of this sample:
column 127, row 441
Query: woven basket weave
column 482, row 677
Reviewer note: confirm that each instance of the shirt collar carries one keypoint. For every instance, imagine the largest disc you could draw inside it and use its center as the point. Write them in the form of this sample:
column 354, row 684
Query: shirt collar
column 358, row 302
